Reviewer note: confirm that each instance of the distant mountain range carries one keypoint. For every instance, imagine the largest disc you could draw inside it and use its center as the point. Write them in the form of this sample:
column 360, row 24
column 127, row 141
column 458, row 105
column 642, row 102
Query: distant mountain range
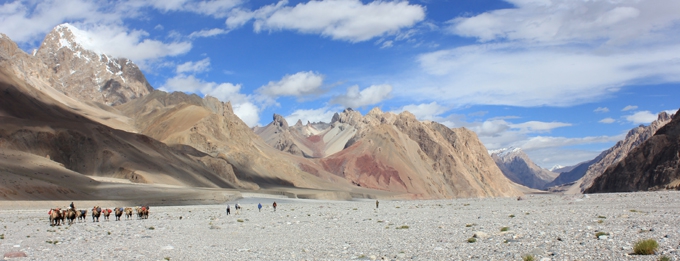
column 95, row 116
column 518, row 167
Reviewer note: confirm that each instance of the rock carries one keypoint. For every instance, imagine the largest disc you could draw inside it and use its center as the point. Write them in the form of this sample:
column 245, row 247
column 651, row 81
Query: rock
column 14, row 254
column 480, row 235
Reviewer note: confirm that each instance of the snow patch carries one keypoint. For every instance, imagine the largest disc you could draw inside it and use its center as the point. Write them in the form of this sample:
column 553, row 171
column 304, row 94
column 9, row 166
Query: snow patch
column 504, row 151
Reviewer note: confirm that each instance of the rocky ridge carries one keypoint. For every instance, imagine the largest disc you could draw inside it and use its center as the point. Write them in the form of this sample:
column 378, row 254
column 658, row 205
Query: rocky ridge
column 621, row 149
column 653, row 164
column 88, row 75
column 518, row 167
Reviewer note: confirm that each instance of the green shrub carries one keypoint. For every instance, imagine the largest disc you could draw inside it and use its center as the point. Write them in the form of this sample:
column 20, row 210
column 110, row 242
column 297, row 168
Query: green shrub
column 152, row 228
column 469, row 225
column 664, row 258
column 646, row 247
column 602, row 217
column 528, row 258
column 472, row 240
column 503, row 229
column 239, row 220
column 512, row 216
column 403, row 227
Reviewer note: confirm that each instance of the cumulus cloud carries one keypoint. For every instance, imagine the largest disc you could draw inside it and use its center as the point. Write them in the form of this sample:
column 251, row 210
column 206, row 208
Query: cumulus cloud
column 311, row 115
column 199, row 66
column 355, row 98
column 601, row 109
column 629, row 108
column 349, row 20
column 299, row 84
column 541, row 142
column 243, row 107
column 641, row 117
column 538, row 126
column 607, row 120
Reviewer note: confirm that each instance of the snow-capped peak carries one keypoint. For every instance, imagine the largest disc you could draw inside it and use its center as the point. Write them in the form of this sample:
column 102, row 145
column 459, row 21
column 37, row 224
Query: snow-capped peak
column 504, row 151
column 558, row 166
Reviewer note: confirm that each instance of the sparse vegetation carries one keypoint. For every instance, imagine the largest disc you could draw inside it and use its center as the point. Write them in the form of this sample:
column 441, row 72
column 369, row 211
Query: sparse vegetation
column 2, row 236
column 380, row 221
column 602, row 217
column 664, row 258
column 511, row 216
column 354, row 209
column 633, row 210
column 167, row 258
column 152, row 228
column 403, row 227
column 528, row 258
column 466, row 204
column 645, row 247
column 52, row 242
column 503, row 229
column 109, row 232
column 239, row 220
column 600, row 221
column 472, row 240
column 526, row 213
column 470, row 225
column 598, row 234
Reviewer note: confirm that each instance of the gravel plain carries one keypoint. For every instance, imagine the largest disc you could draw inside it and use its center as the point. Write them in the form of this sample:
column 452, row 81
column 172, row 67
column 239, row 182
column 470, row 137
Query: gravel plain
column 549, row 227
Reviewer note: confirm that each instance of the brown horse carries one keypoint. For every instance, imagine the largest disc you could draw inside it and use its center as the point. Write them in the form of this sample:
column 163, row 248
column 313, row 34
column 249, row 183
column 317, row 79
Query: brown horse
column 96, row 212
column 106, row 213
column 81, row 214
column 143, row 212
column 118, row 212
column 70, row 215
column 128, row 213
column 55, row 216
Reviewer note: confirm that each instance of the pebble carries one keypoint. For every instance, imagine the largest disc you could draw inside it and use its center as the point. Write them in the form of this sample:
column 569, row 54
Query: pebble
column 557, row 228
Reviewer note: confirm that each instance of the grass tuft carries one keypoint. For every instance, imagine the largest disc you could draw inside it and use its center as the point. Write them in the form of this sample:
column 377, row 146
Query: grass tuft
column 503, row 229
column 602, row 217
column 664, row 258
column 403, row 227
column 152, row 228
column 528, row 258
column 512, row 216
column 472, row 240
column 239, row 220
column 646, row 247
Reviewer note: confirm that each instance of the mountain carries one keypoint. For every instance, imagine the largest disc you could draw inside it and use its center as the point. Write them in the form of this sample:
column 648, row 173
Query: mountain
column 57, row 120
column 390, row 152
column 620, row 150
column 88, row 75
column 518, row 167
column 60, row 146
column 653, row 164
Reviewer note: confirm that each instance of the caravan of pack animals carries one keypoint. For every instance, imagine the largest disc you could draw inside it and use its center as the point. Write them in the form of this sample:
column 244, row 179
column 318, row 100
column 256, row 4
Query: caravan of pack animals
column 59, row 216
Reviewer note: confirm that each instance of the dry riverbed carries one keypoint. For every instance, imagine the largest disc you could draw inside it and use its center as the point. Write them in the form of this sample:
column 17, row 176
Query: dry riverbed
column 549, row 227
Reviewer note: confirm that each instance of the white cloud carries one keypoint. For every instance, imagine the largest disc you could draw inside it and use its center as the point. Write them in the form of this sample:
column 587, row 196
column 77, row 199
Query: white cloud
column 199, row 66
column 542, row 142
column 349, row 20
column 538, row 126
column 311, row 115
column 369, row 96
column 553, row 52
column 425, row 111
column 299, row 84
column 641, row 117
column 133, row 44
column 215, row 8
column 208, row 33
column 560, row 21
column 601, row 109
column 243, row 107
column 607, row 120
column 386, row 44
column 629, row 108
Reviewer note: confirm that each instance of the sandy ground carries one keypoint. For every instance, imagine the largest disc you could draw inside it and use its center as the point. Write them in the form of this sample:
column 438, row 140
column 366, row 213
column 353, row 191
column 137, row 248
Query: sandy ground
column 550, row 227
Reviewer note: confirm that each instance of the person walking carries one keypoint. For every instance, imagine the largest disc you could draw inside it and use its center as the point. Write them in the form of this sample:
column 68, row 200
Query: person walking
column 376, row 203
column 259, row 207
column 274, row 205
column 228, row 210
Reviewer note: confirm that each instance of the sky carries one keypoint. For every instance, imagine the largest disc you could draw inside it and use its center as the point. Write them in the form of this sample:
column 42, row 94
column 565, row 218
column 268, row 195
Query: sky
column 561, row 79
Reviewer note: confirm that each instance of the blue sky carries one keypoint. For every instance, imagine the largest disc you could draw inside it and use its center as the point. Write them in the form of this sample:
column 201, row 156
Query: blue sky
column 561, row 79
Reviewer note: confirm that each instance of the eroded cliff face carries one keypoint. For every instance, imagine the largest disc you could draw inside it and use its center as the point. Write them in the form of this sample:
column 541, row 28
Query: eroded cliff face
column 654, row 164
column 424, row 159
column 87, row 75
column 618, row 152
